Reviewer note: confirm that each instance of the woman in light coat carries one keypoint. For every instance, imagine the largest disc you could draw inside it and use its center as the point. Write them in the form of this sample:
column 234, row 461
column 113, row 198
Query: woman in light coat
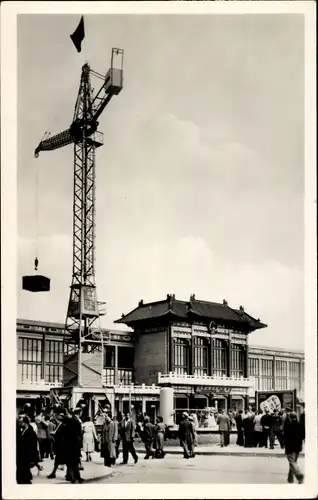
column 89, row 438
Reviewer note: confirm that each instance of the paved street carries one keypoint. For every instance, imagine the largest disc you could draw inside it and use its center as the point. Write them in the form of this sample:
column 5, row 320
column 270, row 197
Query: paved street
column 212, row 464
column 203, row 469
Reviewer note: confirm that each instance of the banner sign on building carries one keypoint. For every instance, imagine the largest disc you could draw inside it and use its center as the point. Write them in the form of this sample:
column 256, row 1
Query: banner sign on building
column 272, row 400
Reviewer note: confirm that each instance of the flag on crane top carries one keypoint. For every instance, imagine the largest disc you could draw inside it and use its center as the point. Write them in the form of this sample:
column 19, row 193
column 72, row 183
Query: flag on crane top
column 78, row 35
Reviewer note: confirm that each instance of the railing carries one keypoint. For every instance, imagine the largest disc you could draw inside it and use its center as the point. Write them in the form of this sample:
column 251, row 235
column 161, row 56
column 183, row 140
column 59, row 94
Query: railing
column 137, row 389
column 207, row 380
column 41, row 384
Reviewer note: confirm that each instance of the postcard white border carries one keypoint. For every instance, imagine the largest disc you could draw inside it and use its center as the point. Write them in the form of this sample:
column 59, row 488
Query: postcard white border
column 9, row 12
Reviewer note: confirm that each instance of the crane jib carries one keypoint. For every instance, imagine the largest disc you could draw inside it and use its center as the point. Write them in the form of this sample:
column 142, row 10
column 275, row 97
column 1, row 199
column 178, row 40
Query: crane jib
column 73, row 134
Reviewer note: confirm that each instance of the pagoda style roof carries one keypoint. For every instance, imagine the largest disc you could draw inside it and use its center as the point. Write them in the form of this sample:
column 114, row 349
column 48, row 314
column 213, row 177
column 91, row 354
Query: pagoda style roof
column 191, row 311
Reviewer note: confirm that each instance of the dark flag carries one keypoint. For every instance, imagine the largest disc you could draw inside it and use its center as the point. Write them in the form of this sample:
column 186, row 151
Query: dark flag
column 78, row 35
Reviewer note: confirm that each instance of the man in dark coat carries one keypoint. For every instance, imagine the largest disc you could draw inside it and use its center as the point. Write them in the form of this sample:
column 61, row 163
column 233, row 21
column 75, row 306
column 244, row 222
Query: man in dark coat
column 293, row 438
column 119, row 424
column 73, row 446
column 26, row 450
column 186, row 436
column 148, row 437
column 127, row 435
column 223, row 421
column 276, row 430
column 239, row 427
column 59, row 436
column 266, row 423
column 302, row 423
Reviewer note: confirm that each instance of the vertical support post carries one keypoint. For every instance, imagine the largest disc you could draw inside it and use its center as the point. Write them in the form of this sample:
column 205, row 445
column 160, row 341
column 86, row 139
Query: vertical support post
column 43, row 355
column 171, row 367
column 274, row 373
column 116, row 366
column 190, row 349
column 229, row 357
column 129, row 401
column 246, row 370
column 229, row 401
column 143, row 404
column 211, row 357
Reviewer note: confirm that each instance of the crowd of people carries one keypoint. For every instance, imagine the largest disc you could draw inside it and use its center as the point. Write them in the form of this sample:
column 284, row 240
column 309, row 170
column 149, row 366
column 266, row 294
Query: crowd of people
column 261, row 428
column 63, row 436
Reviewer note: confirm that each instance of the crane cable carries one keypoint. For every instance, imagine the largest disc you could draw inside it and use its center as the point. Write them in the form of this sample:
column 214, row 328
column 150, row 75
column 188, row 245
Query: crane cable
column 36, row 260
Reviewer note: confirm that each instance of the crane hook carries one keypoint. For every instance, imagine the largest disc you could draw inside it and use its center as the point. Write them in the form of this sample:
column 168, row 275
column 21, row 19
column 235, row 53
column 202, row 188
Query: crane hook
column 36, row 263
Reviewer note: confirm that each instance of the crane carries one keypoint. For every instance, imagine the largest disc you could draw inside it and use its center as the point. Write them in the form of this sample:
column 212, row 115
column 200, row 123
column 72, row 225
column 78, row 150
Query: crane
column 82, row 338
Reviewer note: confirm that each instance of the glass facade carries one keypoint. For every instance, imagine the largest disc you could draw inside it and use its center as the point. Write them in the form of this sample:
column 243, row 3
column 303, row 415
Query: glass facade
column 294, row 374
column 219, row 357
column 237, row 360
column 35, row 365
column 266, row 375
column 200, row 361
column 181, row 356
column 288, row 375
column 281, row 375
column 253, row 368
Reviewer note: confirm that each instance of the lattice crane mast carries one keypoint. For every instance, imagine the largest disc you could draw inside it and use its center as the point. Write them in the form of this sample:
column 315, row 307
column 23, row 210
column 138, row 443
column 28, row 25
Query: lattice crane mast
column 83, row 308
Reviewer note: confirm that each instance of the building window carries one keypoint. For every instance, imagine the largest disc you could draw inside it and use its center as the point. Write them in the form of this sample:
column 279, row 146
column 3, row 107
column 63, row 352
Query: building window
column 219, row 357
column 125, row 377
column 201, row 347
column 294, row 375
column 266, row 375
column 109, row 364
column 29, row 359
column 109, row 357
column 53, row 361
column 281, row 379
column 181, row 355
column 254, row 370
column 237, row 360
column 125, row 365
column 302, row 375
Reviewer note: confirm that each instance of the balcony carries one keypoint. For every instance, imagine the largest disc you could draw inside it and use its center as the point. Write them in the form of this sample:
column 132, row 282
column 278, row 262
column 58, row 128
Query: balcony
column 205, row 380
column 37, row 385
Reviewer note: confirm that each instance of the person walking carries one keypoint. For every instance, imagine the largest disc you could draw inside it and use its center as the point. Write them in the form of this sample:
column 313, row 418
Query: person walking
column 148, row 437
column 293, row 438
column 26, row 450
column 248, row 428
column 108, row 441
column 276, row 430
column 266, row 423
column 224, row 423
column 42, row 434
column 89, row 438
column 73, row 446
column 302, row 421
column 258, row 430
column 51, row 426
column 35, row 428
column 59, row 443
column 128, row 434
column 160, row 430
column 118, row 422
column 239, row 427
column 186, row 436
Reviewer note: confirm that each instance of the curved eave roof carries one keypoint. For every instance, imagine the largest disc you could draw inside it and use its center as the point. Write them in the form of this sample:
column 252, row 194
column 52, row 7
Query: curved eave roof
column 208, row 311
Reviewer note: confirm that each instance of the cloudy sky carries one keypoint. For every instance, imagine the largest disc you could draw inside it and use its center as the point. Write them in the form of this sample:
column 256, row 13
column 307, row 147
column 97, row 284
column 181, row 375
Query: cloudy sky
column 200, row 183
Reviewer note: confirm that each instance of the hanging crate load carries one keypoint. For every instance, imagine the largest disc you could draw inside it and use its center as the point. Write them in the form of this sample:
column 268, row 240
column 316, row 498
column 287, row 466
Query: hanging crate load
column 36, row 282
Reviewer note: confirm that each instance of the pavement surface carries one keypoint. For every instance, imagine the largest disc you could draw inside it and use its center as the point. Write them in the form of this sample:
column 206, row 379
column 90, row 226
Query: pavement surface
column 202, row 470
column 212, row 464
